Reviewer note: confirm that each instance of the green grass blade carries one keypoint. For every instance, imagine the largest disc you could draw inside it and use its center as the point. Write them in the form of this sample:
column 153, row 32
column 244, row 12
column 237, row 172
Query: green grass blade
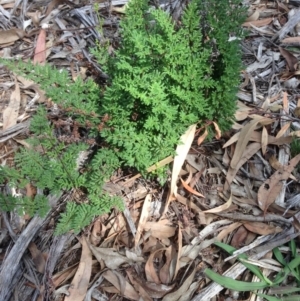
column 269, row 298
column 283, row 290
column 233, row 284
column 253, row 268
column 229, row 249
column 279, row 257
column 293, row 248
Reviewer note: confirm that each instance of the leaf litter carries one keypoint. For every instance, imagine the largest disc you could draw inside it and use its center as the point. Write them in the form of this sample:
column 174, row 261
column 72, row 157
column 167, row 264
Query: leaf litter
column 240, row 188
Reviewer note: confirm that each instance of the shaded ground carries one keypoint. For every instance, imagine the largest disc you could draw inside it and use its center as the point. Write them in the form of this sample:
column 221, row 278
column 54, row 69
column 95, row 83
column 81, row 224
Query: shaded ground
column 142, row 254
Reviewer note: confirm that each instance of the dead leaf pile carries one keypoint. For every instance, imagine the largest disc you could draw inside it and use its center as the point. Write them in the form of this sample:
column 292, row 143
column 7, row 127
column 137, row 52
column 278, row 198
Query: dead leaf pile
column 240, row 189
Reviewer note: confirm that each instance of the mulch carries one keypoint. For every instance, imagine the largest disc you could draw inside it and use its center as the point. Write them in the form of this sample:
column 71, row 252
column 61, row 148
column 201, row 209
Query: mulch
column 241, row 188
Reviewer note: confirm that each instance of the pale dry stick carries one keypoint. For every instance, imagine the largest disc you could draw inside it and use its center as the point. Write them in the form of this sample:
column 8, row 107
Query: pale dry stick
column 57, row 247
column 254, row 244
column 288, row 26
column 208, row 230
column 251, row 218
column 284, row 155
column 14, row 131
column 11, row 263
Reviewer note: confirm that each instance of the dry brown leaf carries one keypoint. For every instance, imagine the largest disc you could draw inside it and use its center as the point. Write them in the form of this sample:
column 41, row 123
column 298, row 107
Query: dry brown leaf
column 81, row 279
column 285, row 102
column 10, row 114
column 291, row 60
column 228, row 230
column 37, row 257
column 179, row 240
column 143, row 218
column 202, row 137
column 165, row 273
column 190, row 292
column 239, row 237
column 157, row 290
column 239, row 116
column 244, row 137
column 133, row 256
column 181, row 199
column 218, row 131
column 261, row 228
column 283, row 130
column 23, row 142
column 220, row 208
column 196, row 178
column 137, row 284
column 53, row 4
column 110, row 256
column 258, row 23
column 256, row 136
column 181, row 153
column 190, row 170
column 174, row 296
column 232, row 140
column 31, row 85
column 11, row 35
column 160, row 229
column 30, row 190
column 277, row 165
column 297, row 109
column 96, row 233
column 150, row 270
column 40, row 49
column 253, row 17
column 119, row 282
column 264, row 140
column 61, row 277
column 275, row 107
column 271, row 188
column 282, row 7
column 191, row 190
column 35, row 17
column 292, row 40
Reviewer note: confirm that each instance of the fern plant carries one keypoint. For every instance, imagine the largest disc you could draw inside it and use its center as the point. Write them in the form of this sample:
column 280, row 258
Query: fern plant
column 50, row 165
column 164, row 77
